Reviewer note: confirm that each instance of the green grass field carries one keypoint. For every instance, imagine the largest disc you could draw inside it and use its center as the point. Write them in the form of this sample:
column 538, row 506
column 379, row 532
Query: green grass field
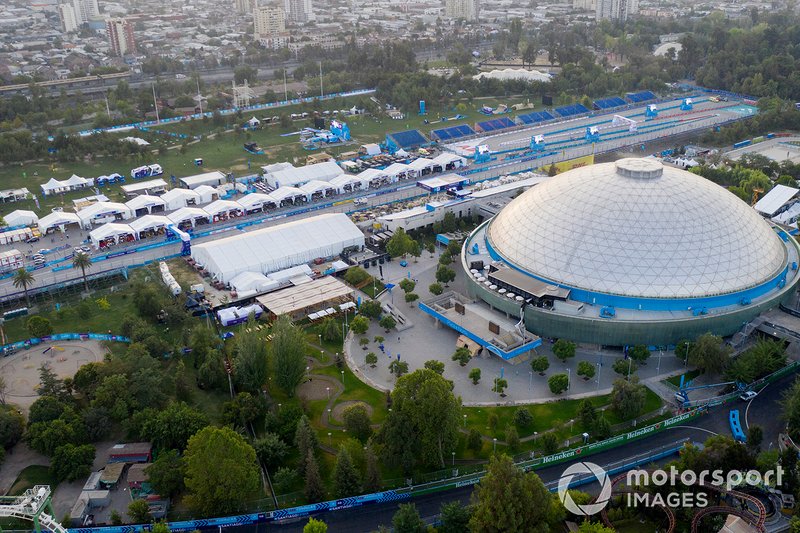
column 31, row 476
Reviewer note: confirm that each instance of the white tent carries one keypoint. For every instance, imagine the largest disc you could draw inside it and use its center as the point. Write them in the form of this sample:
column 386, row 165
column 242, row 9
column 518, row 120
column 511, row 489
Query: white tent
column 178, row 198
column 775, row 199
column 207, row 194
column 221, row 207
column 21, row 217
column 371, row 149
column 253, row 281
column 449, row 161
column 149, row 222
column 113, row 231
column 146, row 203
column 293, row 177
column 325, row 189
column 59, row 219
column 348, row 182
column 102, row 212
column 398, row 171
column 253, row 122
column 373, row 177
column 279, row 247
column 287, row 193
column 213, row 178
column 255, row 201
column 53, row 186
column 423, row 163
column 188, row 214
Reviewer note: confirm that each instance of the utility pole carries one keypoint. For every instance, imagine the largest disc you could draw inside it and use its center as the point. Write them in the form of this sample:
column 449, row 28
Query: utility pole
column 155, row 103
column 285, row 91
column 199, row 96
column 321, row 94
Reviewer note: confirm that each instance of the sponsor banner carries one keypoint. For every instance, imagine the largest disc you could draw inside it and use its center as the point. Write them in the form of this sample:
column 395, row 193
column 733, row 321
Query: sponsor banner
column 569, row 164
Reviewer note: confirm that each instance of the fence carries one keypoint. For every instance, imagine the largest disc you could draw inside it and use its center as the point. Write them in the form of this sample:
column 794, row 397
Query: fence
column 8, row 349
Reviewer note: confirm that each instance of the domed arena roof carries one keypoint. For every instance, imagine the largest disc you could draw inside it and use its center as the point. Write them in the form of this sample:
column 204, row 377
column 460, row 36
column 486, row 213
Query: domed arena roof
column 637, row 228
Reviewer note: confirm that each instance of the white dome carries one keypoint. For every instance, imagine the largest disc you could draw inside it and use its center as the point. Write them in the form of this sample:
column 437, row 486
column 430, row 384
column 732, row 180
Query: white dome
column 637, row 228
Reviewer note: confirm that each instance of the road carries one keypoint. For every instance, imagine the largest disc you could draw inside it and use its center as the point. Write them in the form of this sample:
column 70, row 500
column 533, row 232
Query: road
column 763, row 410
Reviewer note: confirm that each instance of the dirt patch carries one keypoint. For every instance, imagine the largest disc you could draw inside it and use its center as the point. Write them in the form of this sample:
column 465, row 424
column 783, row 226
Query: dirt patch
column 315, row 389
column 338, row 410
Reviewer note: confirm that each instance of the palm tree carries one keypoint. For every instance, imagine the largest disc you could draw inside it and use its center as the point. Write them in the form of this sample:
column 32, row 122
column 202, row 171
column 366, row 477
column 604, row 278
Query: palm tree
column 83, row 261
column 23, row 278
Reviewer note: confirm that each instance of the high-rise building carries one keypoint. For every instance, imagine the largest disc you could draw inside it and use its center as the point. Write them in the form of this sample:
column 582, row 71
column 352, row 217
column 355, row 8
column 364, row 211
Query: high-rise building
column 268, row 21
column 584, row 5
column 462, row 9
column 298, row 11
column 244, row 6
column 616, row 9
column 69, row 21
column 85, row 10
column 120, row 36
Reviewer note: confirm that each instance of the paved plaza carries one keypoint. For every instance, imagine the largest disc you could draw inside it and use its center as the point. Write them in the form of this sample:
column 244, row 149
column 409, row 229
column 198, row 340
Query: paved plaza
column 422, row 341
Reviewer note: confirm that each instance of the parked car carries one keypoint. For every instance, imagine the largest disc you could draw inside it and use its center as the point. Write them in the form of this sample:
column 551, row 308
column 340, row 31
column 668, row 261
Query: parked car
column 30, row 240
column 746, row 396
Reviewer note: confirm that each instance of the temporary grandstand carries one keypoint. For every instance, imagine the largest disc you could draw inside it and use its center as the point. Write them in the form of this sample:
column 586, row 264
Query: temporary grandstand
column 643, row 96
column 278, row 247
column 405, row 140
column 453, row 132
column 608, row 103
column 496, row 124
column 571, row 110
column 535, row 117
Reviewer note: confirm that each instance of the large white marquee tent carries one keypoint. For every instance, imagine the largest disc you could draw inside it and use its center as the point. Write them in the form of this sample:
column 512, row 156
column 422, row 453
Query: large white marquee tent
column 278, row 247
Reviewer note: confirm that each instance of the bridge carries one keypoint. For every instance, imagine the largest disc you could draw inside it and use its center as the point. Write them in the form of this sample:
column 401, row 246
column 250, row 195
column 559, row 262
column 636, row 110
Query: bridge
column 31, row 506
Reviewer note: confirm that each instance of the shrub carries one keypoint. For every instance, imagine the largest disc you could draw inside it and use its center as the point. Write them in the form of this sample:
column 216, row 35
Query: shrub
column 523, row 417
column 586, row 370
column 558, row 383
column 436, row 289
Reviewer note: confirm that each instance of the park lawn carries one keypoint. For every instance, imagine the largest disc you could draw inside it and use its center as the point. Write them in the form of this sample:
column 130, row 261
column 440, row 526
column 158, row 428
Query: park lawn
column 31, row 476
column 652, row 402
column 676, row 380
column 357, row 390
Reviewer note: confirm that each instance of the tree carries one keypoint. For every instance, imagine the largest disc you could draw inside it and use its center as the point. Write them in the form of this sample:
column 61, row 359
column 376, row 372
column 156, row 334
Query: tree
column 474, row 440
column 639, row 353
column 594, row 527
column 83, row 261
column 398, row 368
column 171, row 428
column 709, row 353
column 289, row 354
column 436, row 366
column 454, row 518
column 387, row 322
column 586, row 370
column 532, row 507
column 270, row 450
column 49, row 384
column 371, row 359
column 359, row 325
column 330, row 329
column 314, row 490
column 540, row 364
column 221, row 471
column 356, row 276
column 12, row 425
column 243, row 410
column 445, row 275
column 407, row 285
column 372, row 474
column 624, row 367
column 115, row 517
column 587, row 413
column 315, row 526
column 423, row 422
column 435, row 289
column 411, row 297
column 166, row 473
column 71, row 462
column 39, row 326
column 251, row 366
column 602, row 427
column 345, row 477
column 462, row 355
column 139, row 512
column 399, row 243
column 564, row 349
column 370, row 309
column 284, row 479
column 558, row 383
column 356, row 421
column 512, row 438
column 628, row 397
column 549, row 443
column 500, row 385
column 23, row 279
column 431, row 248
column 475, row 375
column 523, row 417
column 407, row 520
column 755, row 436
column 305, row 438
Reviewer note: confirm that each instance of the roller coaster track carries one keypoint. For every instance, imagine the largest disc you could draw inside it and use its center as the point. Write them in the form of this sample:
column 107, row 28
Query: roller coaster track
column 31, row 506
column 630, row 490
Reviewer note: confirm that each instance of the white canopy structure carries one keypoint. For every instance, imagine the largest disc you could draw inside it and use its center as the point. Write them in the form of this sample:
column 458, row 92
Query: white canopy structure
column 59, row 219
column 111, row 231
column 449, row 161
column 775, row 199
column 222, row 207
column 102, row 212
column 207, row 194
column 208, row 178
column 349, row 183
column 253, row 281
column 288, row 193
column 371, row 149
column 145, row 187
column 21, row 217
column 149, row 223
column 398, row 171
column 322, row 188
column 421, row 165
column 293, row 177
column 373, row 177
column 72, row 184
column 256, row 201
column 279, row 247
column 146, row 204
column 188, row 214
column 515, row 74
column 178, row 198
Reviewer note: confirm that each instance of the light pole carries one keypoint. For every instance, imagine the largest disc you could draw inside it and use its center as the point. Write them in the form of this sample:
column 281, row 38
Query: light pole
column 329, row 439
column 494, row 441
column 630, row 362
column 569, row 378
column 530, row 381
column 343, row 385
column 454, row 457
column 571, row 421
column 598, row 376
column 658, row 367
column 465, row 420
column 328, row 389
column 686, row 359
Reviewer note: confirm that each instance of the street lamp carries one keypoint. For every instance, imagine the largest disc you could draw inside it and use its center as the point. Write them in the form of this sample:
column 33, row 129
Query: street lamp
column 658, row 367
column 328, row 389
column 686, row 359
column 343, row 386
column 329, row 439
column 630, row 362
column 571, row 421
column 530, row 381
column 569, row 378
column 494, row 448
column 454, row 457
column 465, row 419
column 598, row 376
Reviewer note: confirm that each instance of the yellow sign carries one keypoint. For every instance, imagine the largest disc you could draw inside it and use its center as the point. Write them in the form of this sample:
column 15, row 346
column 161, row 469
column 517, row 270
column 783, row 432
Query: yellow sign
column 569, row 164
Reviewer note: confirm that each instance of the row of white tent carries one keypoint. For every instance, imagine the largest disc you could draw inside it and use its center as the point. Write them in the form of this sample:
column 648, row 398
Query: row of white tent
column 72, row 183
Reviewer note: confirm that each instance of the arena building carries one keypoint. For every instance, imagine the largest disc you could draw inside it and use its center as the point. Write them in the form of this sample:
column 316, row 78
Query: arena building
column 630, row 252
